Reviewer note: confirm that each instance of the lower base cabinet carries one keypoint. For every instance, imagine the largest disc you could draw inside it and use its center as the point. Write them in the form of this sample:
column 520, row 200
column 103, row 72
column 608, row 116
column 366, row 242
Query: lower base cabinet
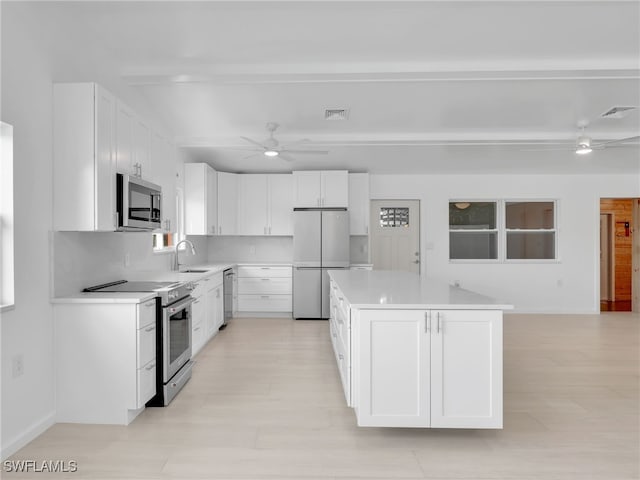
column 207, row 311
column 264, row 289
column 105, row 361
column 434, row 368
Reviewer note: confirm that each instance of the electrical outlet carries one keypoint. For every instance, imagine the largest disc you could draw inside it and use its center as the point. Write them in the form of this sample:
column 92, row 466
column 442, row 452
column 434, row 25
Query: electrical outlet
column 127, row 259
column 17, row 364
column 252, row 249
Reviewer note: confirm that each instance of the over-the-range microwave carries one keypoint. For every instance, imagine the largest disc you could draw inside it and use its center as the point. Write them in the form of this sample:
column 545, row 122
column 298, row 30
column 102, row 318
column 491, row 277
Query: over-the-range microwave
column 138, row 203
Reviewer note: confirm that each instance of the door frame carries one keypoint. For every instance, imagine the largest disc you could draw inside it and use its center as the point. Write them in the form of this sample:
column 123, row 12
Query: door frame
column 422, row 265
column 635, row 257
column 610, row 254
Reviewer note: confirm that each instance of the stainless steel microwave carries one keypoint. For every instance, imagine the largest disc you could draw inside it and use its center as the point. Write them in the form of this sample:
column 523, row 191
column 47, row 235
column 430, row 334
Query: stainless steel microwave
column 138, row 203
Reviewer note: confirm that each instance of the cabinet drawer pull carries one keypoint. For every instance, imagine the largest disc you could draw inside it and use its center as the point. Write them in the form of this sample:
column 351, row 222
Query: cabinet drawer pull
column 265, row 296
column 196, row 329
column 265, row 279
column 150, row 367
column 265, row 268
column 152, row 303
column 150, row 329
column 196, row 301
column 341, row 356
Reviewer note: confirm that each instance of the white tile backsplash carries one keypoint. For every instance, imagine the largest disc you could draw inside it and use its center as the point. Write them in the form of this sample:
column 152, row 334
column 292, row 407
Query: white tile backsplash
column 82, row 259
column 251, row 249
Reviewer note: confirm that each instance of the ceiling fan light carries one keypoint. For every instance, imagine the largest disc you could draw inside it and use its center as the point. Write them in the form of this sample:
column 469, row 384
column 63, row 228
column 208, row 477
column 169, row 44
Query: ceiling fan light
column 583, row 149
column 271, row 153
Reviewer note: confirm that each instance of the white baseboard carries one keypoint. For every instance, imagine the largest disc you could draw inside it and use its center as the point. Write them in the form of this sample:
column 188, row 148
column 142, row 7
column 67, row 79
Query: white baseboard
column 34, row 431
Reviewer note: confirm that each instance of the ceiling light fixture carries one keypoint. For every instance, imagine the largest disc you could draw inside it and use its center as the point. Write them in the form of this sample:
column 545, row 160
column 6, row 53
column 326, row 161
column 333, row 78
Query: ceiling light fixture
column 462, row 205
column 583, row 145
column 271, row 153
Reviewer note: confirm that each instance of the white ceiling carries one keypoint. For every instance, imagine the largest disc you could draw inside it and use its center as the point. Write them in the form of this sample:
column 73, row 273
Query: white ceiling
column 441, row 87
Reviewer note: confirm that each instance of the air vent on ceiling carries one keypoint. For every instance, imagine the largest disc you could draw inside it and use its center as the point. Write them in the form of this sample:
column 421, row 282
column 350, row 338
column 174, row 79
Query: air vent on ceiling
column 617, row 112
column 336, row 114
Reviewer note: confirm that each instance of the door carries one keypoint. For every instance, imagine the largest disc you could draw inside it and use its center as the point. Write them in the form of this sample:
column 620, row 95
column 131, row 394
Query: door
column 395, row 235
column 393, row 386
column 334, row 188
column 605, row 257
column 227, row 203
column 252, row 204
column 335, row 238
column 212, row 201
column 105, row 161
column 280, row 204
column 466, row 369
column 306, row 189
column 307, row 286
column 307, row 235
column 635, row 257
column 124, row 139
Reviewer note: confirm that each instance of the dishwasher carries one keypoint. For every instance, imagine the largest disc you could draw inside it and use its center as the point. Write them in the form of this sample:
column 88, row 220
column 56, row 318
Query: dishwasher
column 227, row 288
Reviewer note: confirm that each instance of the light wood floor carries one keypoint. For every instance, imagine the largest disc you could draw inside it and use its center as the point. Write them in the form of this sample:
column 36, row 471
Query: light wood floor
column 265, row 402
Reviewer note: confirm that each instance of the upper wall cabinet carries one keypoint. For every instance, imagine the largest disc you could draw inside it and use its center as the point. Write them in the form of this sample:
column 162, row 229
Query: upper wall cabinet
column 359, row 203
column 163, row 153
column 317, row 189
column 227, row 203
column 134, row 141
column 200, row 199
column 84, row 158
column 265, row 204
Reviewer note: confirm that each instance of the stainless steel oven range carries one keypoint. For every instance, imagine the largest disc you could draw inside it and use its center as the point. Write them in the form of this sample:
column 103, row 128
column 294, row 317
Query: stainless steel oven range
column 173, row 342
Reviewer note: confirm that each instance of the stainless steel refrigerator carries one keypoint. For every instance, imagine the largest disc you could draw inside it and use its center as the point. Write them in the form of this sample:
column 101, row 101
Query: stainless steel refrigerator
column 320, row 243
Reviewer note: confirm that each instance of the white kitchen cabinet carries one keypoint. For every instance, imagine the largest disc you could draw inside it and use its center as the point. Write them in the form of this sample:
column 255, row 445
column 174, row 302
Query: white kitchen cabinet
column 125, row 140
column 314, row 189
column 265, row 204
column 359, row 203
column 451, row 362
column 227, row 203
column 215, row 309
column 198, row 321
column 264, row 289
column 163, row 153
column 207, row 310
column 84, row 158
column 105, row 360
column 142, row 159
column 200, row 196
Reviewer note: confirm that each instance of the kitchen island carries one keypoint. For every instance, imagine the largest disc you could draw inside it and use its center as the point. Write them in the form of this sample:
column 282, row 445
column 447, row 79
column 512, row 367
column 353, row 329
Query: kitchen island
column 415, row 352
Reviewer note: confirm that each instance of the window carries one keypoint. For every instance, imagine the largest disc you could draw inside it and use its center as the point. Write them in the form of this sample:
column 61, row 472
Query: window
column 473, row 232
column 530, row 230
column 394, row 217
column 502, row 230
column 6, row 215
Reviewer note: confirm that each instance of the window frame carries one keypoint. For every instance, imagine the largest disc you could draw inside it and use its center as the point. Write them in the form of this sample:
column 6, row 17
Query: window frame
column 555, row 231
column 475, row 230
column 501, row 229
column 7, row 228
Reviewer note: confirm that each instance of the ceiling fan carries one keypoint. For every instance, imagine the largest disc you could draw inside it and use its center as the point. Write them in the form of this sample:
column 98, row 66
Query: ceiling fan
column 585, row 145
column 272, row 148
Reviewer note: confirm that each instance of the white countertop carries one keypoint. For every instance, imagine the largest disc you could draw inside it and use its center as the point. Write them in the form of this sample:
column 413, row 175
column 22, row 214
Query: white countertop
column 106, row 297
column 381, row 289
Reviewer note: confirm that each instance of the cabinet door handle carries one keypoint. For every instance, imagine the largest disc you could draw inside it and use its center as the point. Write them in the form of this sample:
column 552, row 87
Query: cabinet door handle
column 196, row 301
column 115, row 221
column 150, row 329
column 341, row 356
column 438, row 314
column 152, row 303
column 219, row 230
column 207, row 279
column 196, row 329
column 150, row 367
column 426, row 322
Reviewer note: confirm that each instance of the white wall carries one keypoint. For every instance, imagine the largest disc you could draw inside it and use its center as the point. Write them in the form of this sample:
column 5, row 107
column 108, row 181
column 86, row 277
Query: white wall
column 569, row 285
column 29, row 69
column 28, row 401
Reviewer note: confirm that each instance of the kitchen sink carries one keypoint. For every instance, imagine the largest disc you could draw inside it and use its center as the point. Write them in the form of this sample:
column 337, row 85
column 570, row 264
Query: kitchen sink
column 194, row 271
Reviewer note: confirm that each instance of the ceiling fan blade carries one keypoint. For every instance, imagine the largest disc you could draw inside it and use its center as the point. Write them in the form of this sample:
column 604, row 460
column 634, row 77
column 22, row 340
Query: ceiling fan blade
column 258, row 144
column 305, row 152
column 563, row 149
column 619, row 141
column 252, row 155
column 286, row 157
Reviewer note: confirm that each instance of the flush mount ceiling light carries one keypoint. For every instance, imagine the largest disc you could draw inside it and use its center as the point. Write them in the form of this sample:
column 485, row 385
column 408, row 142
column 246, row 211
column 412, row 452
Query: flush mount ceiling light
column 462, row 205
column 583, row 145
column 271, row 153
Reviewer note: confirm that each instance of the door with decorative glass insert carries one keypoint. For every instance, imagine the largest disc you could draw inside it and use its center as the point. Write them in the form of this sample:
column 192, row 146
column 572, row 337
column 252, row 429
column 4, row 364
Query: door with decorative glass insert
column 395, row 235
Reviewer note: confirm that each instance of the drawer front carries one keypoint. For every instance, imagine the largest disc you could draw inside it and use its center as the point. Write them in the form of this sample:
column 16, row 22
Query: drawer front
column 210, row 281
column 146, row 383
column 198, row 336
column 264, row 303
column 264, row 286
column 146, row 344
column 343, row 326
column 264, row 272
column 146, row 313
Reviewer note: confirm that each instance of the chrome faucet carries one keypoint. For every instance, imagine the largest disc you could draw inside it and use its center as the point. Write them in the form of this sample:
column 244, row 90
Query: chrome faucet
column 176, row 263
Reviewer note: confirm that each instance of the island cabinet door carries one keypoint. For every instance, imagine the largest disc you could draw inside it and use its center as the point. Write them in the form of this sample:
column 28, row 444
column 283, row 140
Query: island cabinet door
column 466, row 369
column 393, row 363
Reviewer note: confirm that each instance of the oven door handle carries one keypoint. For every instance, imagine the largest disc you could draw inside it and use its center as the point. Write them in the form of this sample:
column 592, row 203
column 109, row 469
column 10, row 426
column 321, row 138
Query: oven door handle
column 176, row 308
